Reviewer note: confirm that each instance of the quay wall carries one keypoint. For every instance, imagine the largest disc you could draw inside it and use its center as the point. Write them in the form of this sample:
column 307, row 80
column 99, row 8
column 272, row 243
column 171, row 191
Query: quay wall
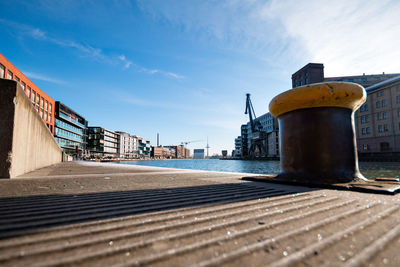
column 26, row 143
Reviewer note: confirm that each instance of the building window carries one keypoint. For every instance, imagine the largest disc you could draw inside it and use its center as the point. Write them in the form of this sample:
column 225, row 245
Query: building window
column 384, row 115
column 33, row 98
column 381, row 93
column 362, row 108
column 379, row 116
column 17, row 78
column 362, row 120
column 41, row 107
column 23, row 85
column 9, row 75
column 366, row 118
column 363, row 131
column 37, row 102
column 380, row 128
column 28, row 92
column 366, row 107
column 385, row 128
column 50, row 115
column 378, row 104
column 398, row 112
column 398, row 99
column 2, row 71
column 383, row 103
column 368, row 130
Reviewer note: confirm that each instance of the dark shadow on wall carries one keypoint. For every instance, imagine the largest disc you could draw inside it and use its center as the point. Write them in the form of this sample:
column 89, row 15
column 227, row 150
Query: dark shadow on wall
column 24, row 215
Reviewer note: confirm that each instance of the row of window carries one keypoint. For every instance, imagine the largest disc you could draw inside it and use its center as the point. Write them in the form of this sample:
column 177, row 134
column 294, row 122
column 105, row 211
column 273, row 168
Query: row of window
column 67, row 117
column 366, row 130
column 68, row 143
column 110, row 139
column 381, row 103
column 109, row 144
column 68, row 126
column 383, row 128
column 380, row 116
column 63, row 133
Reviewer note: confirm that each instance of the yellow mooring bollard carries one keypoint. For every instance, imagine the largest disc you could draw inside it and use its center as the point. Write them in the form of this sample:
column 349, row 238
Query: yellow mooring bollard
column 317, row 134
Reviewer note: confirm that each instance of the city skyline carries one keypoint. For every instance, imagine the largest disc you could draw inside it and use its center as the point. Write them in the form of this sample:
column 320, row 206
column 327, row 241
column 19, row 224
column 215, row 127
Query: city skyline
column 182, row 69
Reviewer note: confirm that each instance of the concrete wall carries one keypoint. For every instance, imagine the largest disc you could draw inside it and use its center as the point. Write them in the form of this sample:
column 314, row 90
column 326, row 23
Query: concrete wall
column 26, row 143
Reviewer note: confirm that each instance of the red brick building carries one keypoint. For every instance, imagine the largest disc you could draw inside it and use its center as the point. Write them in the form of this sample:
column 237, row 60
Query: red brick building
column 43, row 104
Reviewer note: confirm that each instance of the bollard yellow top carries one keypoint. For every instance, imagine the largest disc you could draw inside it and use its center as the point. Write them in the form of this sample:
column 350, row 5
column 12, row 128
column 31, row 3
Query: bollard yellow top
column 329, row 94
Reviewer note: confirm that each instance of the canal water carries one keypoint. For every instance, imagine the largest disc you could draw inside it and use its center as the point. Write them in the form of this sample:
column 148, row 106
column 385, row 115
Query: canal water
column 368, row 169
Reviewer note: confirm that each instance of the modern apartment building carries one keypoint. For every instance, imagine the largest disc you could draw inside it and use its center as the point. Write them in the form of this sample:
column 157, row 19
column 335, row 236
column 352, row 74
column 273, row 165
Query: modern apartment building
column 103, row 142
column 180, row 151
column 160, row 152
column 128, row 145
column 198, row 153
column 244, row 138
column 144, row 147
column 43, row 104
column 378, row 120
column 70, row 130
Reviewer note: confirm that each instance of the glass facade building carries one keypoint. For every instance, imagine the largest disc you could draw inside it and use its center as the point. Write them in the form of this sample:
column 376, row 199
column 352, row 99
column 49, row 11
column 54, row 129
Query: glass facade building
column 70, row 130
column 102, row 142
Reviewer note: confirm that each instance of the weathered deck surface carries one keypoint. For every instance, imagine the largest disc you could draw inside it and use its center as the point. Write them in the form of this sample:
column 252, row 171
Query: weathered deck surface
column 92, row 214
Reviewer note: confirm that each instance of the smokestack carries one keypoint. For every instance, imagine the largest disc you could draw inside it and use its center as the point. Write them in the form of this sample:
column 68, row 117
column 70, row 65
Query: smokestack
column 158, row 139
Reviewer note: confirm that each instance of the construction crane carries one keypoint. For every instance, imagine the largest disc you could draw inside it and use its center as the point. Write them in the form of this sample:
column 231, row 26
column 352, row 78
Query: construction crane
column 257, row 135
column 188, row 142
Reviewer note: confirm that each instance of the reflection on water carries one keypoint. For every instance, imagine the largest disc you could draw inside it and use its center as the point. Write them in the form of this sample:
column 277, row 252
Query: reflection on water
column 368, row 169
column 380, row 169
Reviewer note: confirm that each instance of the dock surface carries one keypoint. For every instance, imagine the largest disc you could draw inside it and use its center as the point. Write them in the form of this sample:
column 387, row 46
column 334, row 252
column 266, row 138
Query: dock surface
column 104, row 214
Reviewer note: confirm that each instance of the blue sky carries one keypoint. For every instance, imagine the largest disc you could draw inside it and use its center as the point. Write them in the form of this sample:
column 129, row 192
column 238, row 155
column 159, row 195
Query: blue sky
column 182, row 68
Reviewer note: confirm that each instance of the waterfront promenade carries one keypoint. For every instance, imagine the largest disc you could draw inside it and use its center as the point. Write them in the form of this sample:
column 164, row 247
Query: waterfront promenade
column 93, row 214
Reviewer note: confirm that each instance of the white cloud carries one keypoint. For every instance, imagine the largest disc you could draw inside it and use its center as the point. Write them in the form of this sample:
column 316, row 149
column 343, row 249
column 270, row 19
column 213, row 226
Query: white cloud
column 38, row 34
column 127, row 63
column 41, row 77
column 84, row 49
column 165, row 73
column 349, row 37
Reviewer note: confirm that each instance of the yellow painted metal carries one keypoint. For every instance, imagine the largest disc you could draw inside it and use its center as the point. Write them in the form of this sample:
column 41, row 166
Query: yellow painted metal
column 329, row 94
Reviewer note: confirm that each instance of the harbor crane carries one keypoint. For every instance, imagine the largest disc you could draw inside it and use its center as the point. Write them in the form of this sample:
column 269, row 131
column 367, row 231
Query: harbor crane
column 188, row 142
column 257, row 134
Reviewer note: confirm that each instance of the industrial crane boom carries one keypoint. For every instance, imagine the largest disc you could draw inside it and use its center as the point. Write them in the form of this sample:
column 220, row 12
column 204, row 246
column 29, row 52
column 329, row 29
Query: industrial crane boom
column 250, row 110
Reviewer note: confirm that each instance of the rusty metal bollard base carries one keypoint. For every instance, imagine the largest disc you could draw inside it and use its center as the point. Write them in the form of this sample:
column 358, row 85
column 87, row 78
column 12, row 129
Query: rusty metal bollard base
column 388, row 186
